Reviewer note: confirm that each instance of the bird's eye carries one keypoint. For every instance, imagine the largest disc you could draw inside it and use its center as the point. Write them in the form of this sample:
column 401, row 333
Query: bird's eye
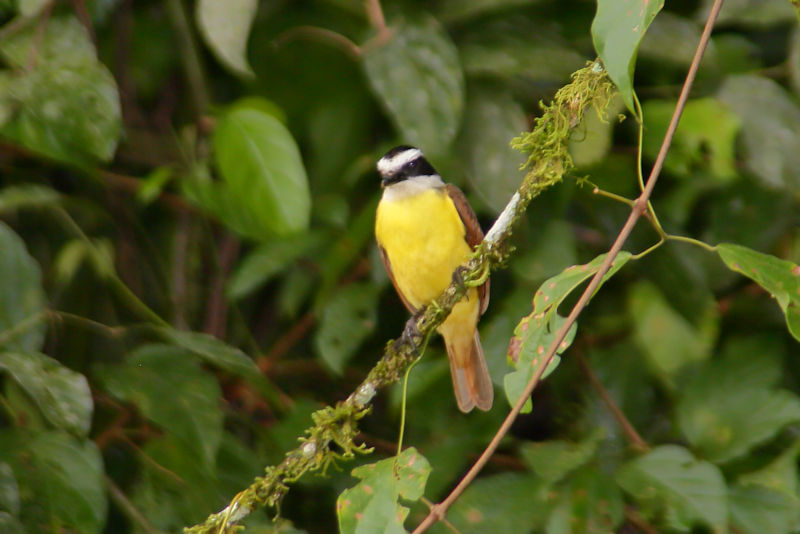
column 413, row 164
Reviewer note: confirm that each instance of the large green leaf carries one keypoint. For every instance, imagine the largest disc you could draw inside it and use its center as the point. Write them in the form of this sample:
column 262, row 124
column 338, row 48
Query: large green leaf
column 669, row 341
column 617, row 29
column 508, row 502
column 67, row 107
column 669, row 482
column 62, row 395
column 758, row 509
column 225, row 27
column 536, row 331
column 347, row 320
column 589, row 503
column 780, row 474
column 780, row 277
column 553, row 460
column 169, row 388
column 417, row 77
column 264, row 189
column 60, row 479
column 769, row 141
column 372, row 505
column 22, row 299
column 492, row 118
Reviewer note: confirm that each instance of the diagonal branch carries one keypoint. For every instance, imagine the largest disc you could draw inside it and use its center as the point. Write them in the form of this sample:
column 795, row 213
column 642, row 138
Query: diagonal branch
column 639, row 207
column 338, row 425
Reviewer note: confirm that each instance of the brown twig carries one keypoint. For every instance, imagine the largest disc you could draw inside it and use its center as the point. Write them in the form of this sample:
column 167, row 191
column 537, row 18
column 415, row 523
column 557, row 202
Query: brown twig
column 627, row 428
column 82, row 12
column 639, row 207
column 287, row 341
column 375, row 15
column 217, row 310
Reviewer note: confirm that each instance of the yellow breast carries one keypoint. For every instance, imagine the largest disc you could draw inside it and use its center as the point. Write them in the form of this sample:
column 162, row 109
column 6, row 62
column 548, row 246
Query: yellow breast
column 424, row 239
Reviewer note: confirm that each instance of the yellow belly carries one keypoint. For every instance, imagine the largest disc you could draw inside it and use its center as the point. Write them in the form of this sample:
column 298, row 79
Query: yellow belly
column 424, row 239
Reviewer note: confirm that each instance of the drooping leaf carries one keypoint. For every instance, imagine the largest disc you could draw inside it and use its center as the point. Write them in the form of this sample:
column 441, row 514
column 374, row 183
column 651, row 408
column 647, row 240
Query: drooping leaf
column 167, row 385
column 669, row 482
column 492, row 118
column 225, row 27
column 22, row 300
column 60, row 478
column 428, row 111
column 535, row 332
column 372, row 505
column 62, row 395
column 758, row 509
column 346, row 321
column 779, row 277
column 668, row 340
column 508, row 502
column 553, row 460
column 264, row 189
column 617, row 29
column 770, row 140
column 589, row 503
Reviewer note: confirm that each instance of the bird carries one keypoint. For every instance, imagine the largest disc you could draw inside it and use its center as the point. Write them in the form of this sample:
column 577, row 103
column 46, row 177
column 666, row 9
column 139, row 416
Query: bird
column 425, row 229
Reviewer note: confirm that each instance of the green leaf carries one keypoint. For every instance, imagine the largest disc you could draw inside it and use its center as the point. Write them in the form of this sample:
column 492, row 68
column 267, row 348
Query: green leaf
column 594, row 135
column 264, row 191
column 706, row 137
column 669, row 341
column 553, row 460
column 62, row 395
column 22, row 300
column 617, row 29
column 492, row 118
column 67, row 107
column 508, row 502
column 756, row 13
column 770, row 140
column 672, row 39
column 589, row 503
column 428, row 111
column 23, row 196
column 170, row 389
column 225, row 27
column 9, row 490
column 780, row 475
column 779, row 277
column 29, row 8
column 536, row 331
column 553, row 248
column 757, row 509
column 10, row 525
column 669, row 482
column 261, row 264
column 60, row 479
column 347, row 320
column 372, row 505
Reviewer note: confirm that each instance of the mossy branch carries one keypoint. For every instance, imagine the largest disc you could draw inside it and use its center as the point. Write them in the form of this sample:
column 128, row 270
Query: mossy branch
column 337, row 425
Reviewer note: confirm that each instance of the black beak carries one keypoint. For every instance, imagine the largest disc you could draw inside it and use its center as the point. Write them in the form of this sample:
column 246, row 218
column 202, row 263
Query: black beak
column 389, row 179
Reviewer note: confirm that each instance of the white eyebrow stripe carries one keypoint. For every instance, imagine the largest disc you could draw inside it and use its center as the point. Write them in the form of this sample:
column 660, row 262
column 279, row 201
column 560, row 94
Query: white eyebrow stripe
column 396, row 162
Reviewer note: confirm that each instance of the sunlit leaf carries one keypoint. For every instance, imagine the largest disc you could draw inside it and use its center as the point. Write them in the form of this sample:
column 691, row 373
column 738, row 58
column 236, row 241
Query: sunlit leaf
column 669, row 482
column 347, row 320
column 770, row 139
column 428, row 110
column 168, row 386
column 779, row 277
column 264, row 190
column 60, row 480
column 617, row 29
column 372, row 505
column 225, row 27
column 62, row 395
column 22, row 299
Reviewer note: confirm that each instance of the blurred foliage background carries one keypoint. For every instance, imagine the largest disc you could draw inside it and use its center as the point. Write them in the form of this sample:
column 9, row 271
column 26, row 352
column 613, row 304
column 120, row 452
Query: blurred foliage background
column 187, row 267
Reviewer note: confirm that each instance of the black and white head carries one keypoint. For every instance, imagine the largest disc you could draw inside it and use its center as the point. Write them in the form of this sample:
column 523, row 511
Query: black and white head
column 404, row 171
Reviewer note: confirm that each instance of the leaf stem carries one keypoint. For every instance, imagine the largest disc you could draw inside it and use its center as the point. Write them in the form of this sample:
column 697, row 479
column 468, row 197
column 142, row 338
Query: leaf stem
column 192, row 65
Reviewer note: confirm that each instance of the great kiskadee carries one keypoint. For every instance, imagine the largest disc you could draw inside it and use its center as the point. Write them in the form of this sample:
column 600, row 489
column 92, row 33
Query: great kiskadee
column 425, row 230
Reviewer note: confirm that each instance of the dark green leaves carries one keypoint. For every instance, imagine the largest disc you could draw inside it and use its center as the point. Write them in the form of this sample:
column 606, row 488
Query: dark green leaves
column 372, row 505
column 21, row 296
column 417, row 77
column 669, row 482
column 264, row 189
column 67, row 107
column 617, row 29
column 780, row 277
column 347, row 320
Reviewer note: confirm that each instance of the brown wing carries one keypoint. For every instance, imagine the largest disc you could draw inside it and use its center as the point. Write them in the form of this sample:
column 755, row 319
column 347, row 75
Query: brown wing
column 474, row 233
column 388, row 267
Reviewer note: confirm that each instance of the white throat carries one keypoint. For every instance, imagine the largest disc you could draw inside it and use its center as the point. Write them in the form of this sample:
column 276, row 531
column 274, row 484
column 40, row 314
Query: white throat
column 412, row 186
